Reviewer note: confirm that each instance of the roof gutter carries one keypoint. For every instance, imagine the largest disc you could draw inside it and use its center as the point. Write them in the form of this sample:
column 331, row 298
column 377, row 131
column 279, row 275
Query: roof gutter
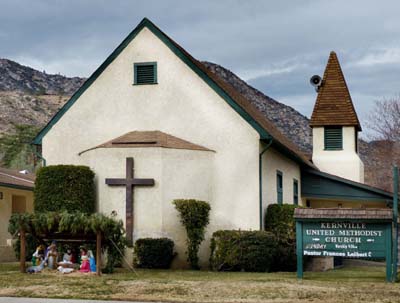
column 260, row 163
column 22, row 187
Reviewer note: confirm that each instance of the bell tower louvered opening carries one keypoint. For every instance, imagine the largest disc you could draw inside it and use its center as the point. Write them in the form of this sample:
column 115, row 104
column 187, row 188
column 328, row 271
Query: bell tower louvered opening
column 333, row 138
column 145, row 73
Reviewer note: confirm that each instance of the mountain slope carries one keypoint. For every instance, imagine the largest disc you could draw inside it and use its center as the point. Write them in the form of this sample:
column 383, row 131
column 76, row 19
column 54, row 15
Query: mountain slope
column 28, row 96
column 19, row 78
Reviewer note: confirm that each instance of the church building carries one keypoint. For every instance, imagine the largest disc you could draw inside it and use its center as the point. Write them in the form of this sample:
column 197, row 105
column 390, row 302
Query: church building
column 155, row 125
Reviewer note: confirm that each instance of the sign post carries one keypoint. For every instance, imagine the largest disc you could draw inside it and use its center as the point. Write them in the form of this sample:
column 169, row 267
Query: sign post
column 299, row 250
column 395, row 222
column 346, row 233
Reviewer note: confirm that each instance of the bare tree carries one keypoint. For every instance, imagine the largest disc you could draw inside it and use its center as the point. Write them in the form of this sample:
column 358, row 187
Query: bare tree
column 383, row 149
column 384, row 120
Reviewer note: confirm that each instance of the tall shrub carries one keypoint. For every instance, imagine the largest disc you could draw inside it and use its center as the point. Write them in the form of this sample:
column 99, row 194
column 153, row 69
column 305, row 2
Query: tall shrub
column 64, row 188
column 279, row 220
column 194, row 216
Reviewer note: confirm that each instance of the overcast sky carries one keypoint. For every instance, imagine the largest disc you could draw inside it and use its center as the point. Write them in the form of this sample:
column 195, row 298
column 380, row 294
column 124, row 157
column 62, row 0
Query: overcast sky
column 274, row 45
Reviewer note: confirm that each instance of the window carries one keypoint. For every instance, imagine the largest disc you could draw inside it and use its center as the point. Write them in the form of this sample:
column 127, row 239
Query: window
column 295, row 192
column 18, row 204
column 333, row 138
column 145, row 73
column 279, row 187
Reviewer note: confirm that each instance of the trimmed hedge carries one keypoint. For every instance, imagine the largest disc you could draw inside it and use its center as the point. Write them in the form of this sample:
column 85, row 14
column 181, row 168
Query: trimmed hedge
column 279, row 220
column 65, row 188
column 236, row 250
column 154, row 253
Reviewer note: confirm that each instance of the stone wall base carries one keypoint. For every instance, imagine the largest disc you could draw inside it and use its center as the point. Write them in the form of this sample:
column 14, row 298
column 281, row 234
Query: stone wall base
column 319, row 264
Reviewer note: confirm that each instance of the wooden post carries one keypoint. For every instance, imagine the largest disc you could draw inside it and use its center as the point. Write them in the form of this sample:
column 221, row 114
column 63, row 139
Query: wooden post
column 22, row 252
column 389, row 240
column 98, row 253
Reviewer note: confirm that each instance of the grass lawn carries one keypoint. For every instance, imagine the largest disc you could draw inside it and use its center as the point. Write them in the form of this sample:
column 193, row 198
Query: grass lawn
column 358, row 284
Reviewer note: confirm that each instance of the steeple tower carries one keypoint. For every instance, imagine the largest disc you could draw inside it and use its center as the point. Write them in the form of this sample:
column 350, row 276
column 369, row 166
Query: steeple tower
column 335, row 126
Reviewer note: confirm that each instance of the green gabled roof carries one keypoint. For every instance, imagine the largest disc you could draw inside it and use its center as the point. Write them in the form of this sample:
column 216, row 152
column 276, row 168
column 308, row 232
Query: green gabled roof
column 237, row 101
column 318, row 184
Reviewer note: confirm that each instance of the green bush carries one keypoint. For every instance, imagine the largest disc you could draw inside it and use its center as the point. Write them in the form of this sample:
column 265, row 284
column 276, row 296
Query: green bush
column 154, row 253
column 279, row 221
column 236, row 250
column 31, row 245
column 64, row 188
column 194, row 217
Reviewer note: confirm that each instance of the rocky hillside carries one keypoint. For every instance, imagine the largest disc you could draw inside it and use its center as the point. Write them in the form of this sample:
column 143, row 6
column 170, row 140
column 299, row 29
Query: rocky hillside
column 18, row 78
column 28, row 96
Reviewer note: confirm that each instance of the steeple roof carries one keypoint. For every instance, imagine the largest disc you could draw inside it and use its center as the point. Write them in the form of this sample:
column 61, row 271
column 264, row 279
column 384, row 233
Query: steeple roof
column 334, row 106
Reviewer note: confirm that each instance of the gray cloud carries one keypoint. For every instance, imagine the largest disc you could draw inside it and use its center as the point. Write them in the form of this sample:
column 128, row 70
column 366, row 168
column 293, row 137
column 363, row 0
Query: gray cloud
column 275, row 45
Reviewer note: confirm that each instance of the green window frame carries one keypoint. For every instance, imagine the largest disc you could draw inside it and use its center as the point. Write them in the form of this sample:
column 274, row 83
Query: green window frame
column 295, row 192
column 279, row 187
column 333, row 137
column 145, row 73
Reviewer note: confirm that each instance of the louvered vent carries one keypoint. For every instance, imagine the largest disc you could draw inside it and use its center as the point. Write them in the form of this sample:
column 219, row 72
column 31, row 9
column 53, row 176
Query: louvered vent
column 333, row 138
column 145, row 73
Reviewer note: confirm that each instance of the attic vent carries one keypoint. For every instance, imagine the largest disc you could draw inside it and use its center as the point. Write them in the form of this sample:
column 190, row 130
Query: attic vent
column 145, row 73
column 333, row 137
column 134, row 142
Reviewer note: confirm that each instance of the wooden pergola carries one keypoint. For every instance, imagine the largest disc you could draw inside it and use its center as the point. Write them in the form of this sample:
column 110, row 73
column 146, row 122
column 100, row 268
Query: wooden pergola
column 63, row 237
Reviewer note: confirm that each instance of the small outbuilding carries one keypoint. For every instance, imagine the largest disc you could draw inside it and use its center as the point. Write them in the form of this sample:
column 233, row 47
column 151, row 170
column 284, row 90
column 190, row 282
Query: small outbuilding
column 16, row 196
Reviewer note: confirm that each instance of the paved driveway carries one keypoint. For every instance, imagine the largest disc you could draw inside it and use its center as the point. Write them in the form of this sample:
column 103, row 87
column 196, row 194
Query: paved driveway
column 38, row 300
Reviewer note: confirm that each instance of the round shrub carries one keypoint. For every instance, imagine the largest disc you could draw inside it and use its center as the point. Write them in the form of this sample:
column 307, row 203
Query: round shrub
column 237, row 250
column 65, row 188
column 154, row 253
column 194, row 217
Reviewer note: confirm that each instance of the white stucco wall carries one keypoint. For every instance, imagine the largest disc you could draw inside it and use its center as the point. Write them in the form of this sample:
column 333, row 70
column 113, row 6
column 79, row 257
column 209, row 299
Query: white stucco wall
column 344, row 163
column 272, row 162
column 182, row 105
column 178, row 174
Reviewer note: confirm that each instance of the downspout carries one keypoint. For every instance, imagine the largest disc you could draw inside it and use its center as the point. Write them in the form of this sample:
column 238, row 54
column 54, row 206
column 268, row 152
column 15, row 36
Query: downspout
column 261, row 180
column 39, row 155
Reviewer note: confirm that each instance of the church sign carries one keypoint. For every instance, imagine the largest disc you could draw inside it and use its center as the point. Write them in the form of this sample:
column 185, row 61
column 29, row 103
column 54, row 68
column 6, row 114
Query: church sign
column 346, row 233
column 345, row 239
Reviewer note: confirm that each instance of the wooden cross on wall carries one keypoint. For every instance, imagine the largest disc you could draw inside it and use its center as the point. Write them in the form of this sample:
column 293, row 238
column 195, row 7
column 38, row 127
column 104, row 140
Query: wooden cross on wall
column 129, row 182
